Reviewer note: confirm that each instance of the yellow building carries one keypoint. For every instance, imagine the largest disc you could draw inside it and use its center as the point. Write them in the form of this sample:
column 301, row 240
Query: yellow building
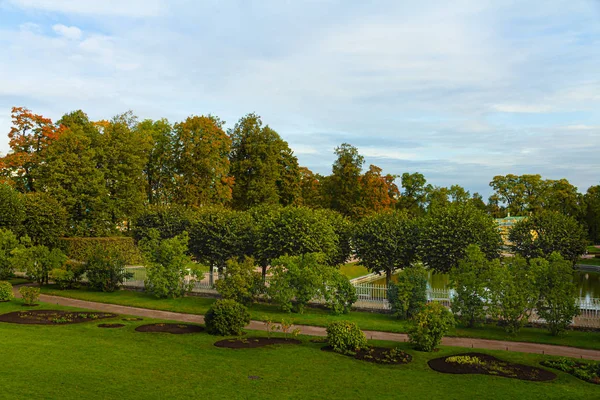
column 504, row 226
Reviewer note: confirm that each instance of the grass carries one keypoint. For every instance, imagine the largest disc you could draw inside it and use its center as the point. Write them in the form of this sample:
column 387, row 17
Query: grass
column 18, row 281
column 353, row 270
column 82, row 361
column 593, row 250
column 321, row 317
column 589, row 261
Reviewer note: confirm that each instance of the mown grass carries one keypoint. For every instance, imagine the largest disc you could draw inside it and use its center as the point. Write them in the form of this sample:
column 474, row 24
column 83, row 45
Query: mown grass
column 593, row 250
column 353, row 270
column 321, row 317
column 589, row 261
column 83, row 361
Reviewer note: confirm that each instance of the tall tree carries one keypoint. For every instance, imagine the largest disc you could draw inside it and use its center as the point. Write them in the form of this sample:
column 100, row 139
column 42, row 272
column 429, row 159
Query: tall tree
column 379, row 192
column 29, row 137
column 592, row 213
column 202, row 166
column 160, row 168
column 262, row 164
column 563, row 197
column 344, row 189
column 510, row 192
column 311, row 189
column 414, row 193
column 12, row 209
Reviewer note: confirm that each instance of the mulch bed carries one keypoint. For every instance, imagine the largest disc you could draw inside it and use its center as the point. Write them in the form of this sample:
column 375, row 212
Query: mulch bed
column 491, row 366
column 254, row 342
column 111, row 325
column 378, row 355
column 52, row 317
column 176, row 329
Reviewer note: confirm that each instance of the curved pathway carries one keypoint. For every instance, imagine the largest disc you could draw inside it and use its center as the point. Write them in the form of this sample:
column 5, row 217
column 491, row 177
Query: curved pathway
column 523, row 347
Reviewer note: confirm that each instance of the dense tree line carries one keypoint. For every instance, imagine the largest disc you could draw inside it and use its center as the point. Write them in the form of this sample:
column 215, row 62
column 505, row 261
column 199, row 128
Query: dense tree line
column 94, row 178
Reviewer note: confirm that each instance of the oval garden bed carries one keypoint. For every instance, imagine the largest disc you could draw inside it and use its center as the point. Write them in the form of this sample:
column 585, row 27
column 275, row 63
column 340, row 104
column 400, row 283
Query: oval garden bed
column 52, row 317
column 589, row 372
column 484, row 364
column 177, row 329
column 379, row 355
column 254, row 342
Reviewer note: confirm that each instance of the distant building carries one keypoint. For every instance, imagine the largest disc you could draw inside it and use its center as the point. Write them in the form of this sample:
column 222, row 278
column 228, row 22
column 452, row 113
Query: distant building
column 505, row 225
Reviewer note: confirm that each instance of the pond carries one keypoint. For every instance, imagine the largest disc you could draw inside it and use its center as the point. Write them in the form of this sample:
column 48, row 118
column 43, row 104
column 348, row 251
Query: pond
column 588, row 283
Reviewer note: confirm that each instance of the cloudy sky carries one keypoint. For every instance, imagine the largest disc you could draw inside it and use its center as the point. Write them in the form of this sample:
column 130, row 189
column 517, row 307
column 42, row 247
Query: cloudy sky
column 459, row 91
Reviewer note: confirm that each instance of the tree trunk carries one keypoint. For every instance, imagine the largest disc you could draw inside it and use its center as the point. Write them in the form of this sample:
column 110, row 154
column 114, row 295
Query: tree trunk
column 388, row 276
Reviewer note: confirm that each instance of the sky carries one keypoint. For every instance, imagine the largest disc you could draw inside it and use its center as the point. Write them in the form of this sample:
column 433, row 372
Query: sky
column 459, row 91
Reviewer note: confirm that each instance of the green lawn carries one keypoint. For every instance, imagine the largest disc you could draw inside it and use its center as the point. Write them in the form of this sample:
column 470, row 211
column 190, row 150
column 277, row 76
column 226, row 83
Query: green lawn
column 353, row 270
column 593, row 250
column 589, row 261
column 321, row 317
column 18, row 281
column 83, row 361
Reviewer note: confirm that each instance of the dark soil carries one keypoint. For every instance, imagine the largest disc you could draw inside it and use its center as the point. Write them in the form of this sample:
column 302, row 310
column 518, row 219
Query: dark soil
column 491, row 366
column 133, row 319
column 52, row 317
column 378, row 355
column 177, row 329
column 318, row 340
column 254, row 342
column 111, row 325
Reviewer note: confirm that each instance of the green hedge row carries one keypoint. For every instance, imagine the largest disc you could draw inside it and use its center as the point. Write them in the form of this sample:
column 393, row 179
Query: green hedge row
column 81, row 248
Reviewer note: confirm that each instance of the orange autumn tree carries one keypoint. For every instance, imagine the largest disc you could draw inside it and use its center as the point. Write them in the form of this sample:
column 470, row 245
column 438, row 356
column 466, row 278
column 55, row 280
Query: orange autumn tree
column 379, row 192
column 29, row 137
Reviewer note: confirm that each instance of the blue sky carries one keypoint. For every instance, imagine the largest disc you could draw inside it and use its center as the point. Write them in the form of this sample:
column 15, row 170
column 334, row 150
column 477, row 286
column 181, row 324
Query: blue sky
column 459, row 91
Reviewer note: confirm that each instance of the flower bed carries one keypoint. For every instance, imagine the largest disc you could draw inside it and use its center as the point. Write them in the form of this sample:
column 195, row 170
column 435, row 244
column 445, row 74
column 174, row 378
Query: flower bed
column 589, row 372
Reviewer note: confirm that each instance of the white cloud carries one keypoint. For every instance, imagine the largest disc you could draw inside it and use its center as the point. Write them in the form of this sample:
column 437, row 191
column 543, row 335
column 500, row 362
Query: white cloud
column 126, row 8
column 521, row 108
column 69, row 32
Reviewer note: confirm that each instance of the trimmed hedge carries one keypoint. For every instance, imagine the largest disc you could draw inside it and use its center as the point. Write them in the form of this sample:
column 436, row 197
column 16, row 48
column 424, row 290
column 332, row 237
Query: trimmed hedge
column 81, row 249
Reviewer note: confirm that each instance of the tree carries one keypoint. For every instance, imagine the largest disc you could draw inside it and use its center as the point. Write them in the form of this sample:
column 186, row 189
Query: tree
column 241, row 281
column 470, row 279
column 563, row 197
column 38, row 261
column 202, row 165
column 343, row 229
column 413, row 195
column 509, row 191
column 294, row 231
column 8, row 243
column 547, row 232
column 45, row 219
column 12, row 209
column 311, row 189
column 29, row 137
column 379, row 192
column 386, row 242
column 446, row 233
column 408, row 296
column 514, row 291
column 262, row 164
column 170, row 221
column 160, row 168
column 557, row 302
column 592, row 213
column 344, row 189
column 167, row 265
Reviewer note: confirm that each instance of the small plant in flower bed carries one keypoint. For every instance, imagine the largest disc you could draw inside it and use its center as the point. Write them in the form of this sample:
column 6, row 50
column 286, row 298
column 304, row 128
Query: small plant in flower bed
column 51, row 317
column 586, row 371
column 467, row 360
column 31, row 295
column 382, row 355
column 346, row 337
column 6, row 293
column 226, row 317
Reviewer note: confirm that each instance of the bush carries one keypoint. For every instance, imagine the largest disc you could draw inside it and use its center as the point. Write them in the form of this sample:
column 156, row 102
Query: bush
column 558, row 301
column 241, row 282
column 31, row 295
column 346, row 337
column 167, row 267
column 8, row 242
column 106, row 271
column 6, row 293
column 38, row 261
column 430, row 326
column 408, row 296
column 339, row 294
column 226, row 317
column 69, row 275
column 82, row 249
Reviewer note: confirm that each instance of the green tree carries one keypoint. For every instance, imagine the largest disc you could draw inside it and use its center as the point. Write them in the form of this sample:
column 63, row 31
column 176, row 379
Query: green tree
column 311, row 189
column 514, row 291
column 470, row 279
column 262, row 164
column 167, row 265
column 557, row 302
column 413, row 195
column 563, row 197
column 592, row 213
column 547, row 232
column 45, row 219
column 12, row 209
column 170, row 221
column 202, row 165
column 447, row 232
column 241, row 281
column 8, row 243
column 159, row 171
column 344, row 188
column 510, row 191
column 343, row 229
column 408, row 296
column 386, row 242
column 38, row 261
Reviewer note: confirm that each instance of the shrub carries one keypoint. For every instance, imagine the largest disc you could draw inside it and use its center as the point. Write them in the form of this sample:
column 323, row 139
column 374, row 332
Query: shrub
column 69, row 275
column 470, row 280
column 339, row 293
column 226, row 317
column 38, row 261
column 430, row 326
column 241, row 282
column 82, row 249
column 106, row 271
column 557, row 302
column 346, row 337
column 167, row 266
column 31, row 295
column 8, row 242
column 408, row 296
column 6, row 293
column 586, row 371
